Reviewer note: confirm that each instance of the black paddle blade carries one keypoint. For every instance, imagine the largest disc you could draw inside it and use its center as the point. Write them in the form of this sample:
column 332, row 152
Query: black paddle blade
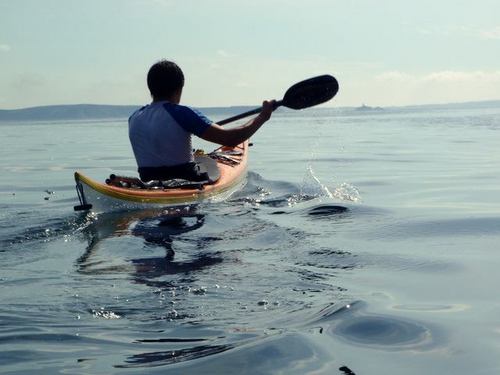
column 311, row 92
column 305, row 94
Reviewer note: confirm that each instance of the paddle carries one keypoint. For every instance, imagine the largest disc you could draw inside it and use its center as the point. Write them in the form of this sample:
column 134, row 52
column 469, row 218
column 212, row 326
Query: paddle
column 305, row 94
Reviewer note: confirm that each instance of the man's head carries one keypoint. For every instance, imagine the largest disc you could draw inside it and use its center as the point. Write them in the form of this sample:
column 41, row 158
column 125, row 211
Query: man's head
column 165, row 80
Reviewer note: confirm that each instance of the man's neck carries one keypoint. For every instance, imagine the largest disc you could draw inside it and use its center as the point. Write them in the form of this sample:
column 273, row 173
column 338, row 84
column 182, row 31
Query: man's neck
column 163, row 99
column 175, row 98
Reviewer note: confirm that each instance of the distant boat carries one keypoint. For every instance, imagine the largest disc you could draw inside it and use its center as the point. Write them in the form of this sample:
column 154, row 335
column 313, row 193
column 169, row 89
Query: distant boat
column 368, row 108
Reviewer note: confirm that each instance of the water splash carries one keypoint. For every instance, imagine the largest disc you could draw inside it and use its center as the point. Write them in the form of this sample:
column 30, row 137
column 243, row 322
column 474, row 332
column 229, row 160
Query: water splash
column 347, row 192
column 312, row 186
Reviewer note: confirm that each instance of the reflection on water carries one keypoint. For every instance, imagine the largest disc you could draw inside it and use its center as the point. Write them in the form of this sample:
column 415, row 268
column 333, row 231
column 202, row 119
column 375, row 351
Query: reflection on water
column 172, row 356
column 316, row 266
column 194, row 245
column 216, row 267
column 156, row 229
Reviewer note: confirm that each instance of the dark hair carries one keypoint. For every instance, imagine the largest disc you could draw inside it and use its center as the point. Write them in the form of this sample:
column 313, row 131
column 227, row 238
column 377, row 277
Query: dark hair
column 164, row 79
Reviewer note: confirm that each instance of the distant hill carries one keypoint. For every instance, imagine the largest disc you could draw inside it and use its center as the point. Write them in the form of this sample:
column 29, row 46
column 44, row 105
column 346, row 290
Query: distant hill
column 67, row 112
column 76, row 112
column 92, row 112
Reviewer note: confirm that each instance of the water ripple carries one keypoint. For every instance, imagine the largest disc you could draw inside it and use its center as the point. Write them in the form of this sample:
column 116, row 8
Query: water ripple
column 382, row 331
column 354, row 324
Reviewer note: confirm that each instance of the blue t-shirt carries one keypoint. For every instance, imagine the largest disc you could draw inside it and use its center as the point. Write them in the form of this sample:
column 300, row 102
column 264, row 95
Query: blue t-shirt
column 160, row 133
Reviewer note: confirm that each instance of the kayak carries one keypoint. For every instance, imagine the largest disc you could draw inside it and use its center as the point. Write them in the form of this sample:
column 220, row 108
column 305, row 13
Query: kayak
column 226, row 167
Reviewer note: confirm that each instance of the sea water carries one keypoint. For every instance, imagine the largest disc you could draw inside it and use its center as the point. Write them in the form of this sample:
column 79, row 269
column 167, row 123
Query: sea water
column 364, row 242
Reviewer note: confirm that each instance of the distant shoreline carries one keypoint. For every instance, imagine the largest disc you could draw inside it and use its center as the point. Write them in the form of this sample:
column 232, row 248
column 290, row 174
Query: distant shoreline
column 89, row 112
column 103, row 111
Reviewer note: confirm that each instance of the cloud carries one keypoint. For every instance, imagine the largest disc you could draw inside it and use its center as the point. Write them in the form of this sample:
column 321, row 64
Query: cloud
column 490, row 34
column 463, row 77
column 402, row 88
column 445, row 76
column 461, row 31
column 4, row 48
column 487, row 34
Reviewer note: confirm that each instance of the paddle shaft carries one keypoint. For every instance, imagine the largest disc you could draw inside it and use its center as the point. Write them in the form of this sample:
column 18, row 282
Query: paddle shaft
column 246, row 114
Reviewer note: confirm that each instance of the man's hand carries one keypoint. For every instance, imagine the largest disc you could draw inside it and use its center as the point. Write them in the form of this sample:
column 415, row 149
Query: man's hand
column 267, row 109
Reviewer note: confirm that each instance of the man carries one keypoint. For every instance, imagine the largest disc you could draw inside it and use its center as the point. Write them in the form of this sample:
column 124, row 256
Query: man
column 160, row 133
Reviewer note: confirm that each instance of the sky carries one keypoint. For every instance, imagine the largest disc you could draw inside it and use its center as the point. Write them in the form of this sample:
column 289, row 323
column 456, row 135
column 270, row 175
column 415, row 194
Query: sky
column 232, row 52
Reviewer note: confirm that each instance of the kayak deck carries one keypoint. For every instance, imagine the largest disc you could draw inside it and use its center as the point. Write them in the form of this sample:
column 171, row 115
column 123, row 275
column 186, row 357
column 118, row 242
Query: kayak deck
column 101, row 197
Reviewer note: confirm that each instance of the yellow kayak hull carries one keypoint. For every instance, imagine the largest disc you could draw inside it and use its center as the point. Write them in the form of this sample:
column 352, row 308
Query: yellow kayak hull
column 101, row 197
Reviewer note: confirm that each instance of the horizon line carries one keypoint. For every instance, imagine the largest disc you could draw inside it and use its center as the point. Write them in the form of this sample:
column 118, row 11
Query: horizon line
column 249, row 105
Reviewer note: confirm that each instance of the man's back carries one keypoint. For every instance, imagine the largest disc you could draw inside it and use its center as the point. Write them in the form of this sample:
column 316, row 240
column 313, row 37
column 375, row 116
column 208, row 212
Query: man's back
column 160, row 134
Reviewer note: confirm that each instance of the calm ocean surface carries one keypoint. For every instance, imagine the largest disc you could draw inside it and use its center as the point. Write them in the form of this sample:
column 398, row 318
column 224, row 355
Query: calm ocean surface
column 364, row 242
